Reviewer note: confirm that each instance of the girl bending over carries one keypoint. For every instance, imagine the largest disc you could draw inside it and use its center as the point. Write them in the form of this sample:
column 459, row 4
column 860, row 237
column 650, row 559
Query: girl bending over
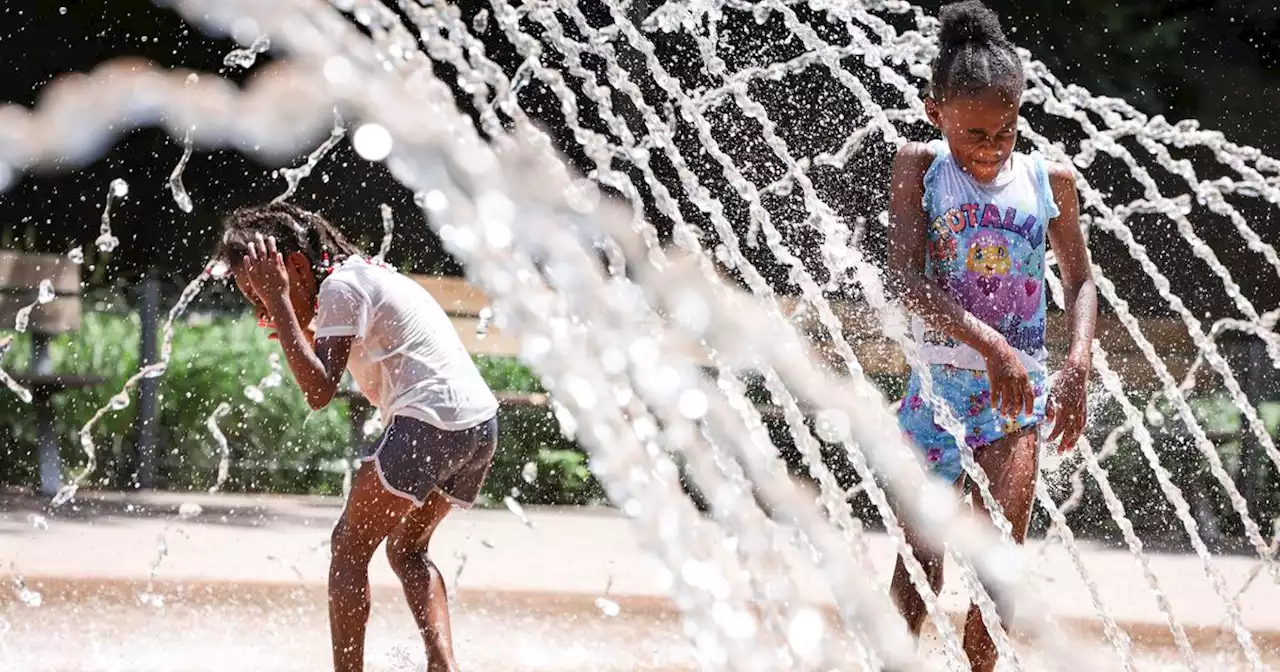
column 302, row 276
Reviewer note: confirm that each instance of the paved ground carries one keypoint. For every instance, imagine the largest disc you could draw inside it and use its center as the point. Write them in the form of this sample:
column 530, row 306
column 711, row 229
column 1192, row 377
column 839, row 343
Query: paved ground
column 243, row 581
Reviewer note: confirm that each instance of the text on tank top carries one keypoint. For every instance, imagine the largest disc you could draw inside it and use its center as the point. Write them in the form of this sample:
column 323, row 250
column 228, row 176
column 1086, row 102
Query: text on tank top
column 986, row 249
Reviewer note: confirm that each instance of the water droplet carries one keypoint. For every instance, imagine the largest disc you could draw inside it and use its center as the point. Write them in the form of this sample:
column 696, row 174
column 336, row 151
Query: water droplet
column 480, row 23
column 514, row 507
column 693, row 404
column 607, row 607
column 805, row 634
column 27, row 596
column 107, row 242
column 119, row 402
column 76, row 255
column 254, row 394
column 245, row 58
column 23, row 319
column 432, row 201
column 529, row 472
column 372, row 142
column 189, row 510
column 372, row 426
column 119, row 188
column 831, row 425
column 62, row 10
column 30, row 597
column 38, row 521
column 46, row 293
column 338, row 70
column 181, row 197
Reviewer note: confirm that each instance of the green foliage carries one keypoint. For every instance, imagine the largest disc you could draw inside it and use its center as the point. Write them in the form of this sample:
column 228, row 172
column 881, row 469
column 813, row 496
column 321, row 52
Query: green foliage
column 536, row 464
column 508, row 374
column 277, row 445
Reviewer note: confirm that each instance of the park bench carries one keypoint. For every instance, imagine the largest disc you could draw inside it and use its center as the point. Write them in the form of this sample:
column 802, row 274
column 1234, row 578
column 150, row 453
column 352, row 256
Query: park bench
column 877, row 354
column 20, row 277
column 463, row 303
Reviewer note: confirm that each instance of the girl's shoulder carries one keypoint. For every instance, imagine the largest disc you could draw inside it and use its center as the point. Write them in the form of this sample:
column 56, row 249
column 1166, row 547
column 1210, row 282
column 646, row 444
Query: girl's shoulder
column 914, row 159
column 919, row 153
column 1060, row 174
column 1057, row 171
column 1057, row 176
column 1054, row 182
column 347, row 273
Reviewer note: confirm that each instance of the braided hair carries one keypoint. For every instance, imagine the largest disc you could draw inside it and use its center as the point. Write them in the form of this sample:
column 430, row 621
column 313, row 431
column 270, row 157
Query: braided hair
column 974, row 55
column 295, row 230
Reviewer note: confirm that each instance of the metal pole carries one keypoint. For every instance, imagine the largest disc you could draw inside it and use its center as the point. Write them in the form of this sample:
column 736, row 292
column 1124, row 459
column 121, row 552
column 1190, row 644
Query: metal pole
column 46, row 428
column 144, row 424
column 1253, row 468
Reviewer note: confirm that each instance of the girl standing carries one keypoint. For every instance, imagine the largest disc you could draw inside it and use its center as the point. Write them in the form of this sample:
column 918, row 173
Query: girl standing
column 969, row 221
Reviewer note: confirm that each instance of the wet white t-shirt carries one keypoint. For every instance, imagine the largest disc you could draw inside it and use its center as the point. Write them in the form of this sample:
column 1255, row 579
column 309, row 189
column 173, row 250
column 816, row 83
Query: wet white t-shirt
column 406, row 356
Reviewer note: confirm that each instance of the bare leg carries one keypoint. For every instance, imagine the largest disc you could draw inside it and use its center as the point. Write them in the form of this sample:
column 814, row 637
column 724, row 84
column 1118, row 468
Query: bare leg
column 1012, row 464
column 371, row 513
column 910, row 604
column 422, row 582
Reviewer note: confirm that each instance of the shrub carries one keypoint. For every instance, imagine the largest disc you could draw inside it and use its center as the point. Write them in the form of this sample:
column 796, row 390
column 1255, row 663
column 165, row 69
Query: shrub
column 277, row 445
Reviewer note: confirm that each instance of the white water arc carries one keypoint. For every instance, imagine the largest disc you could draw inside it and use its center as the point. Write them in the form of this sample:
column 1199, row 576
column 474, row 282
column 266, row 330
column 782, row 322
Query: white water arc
column 547, row 302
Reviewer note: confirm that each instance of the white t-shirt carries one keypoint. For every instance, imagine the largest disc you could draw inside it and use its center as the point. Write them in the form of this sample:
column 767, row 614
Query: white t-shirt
column 406, row 356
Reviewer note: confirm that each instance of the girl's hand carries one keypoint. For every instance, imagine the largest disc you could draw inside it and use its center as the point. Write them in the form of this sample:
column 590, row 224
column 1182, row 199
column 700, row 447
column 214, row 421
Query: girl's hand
column 263, row 267
column 1011, row 393
column 1068, row 407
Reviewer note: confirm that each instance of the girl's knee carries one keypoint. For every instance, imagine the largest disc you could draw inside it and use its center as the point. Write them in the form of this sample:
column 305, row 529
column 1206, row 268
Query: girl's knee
column 347, row 544
column 405, row 556
column 929, row 559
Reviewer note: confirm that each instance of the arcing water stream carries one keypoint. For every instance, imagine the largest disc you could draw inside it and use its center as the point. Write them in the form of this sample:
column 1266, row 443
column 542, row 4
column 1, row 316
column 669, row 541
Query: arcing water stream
column 620, row 352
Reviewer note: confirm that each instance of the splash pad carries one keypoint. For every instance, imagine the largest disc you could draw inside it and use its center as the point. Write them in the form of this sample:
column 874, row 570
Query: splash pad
column 620, row 345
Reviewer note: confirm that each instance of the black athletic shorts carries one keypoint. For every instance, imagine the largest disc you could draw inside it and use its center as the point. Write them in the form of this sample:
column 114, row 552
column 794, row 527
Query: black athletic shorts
column 413, row 458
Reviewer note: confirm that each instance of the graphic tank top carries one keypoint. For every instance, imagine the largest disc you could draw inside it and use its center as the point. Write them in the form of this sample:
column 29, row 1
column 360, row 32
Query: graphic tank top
column 986, row 248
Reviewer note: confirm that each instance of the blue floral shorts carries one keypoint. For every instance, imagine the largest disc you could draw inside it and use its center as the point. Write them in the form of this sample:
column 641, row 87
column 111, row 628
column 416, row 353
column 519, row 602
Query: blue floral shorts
column 969, row 395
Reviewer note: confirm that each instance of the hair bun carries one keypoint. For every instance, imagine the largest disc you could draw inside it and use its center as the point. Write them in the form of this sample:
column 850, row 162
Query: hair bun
column 969, row 21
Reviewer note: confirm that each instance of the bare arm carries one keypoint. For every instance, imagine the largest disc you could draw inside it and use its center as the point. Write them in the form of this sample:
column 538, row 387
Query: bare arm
column 1069, row 406
column 317, row 371
column 907, row 240
column 1069, row 246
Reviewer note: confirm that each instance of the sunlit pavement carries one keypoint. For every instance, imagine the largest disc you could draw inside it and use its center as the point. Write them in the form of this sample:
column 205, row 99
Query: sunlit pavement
column 241, row 587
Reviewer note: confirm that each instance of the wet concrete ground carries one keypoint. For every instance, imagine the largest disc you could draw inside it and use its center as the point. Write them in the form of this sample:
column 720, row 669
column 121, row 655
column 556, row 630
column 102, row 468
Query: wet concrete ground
column 285, row 629
column 243, row 588
column 280, row 628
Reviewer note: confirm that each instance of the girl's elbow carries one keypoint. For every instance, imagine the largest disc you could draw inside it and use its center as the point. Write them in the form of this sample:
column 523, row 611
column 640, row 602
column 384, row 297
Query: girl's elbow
column 319, row 399
column 901, row 284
